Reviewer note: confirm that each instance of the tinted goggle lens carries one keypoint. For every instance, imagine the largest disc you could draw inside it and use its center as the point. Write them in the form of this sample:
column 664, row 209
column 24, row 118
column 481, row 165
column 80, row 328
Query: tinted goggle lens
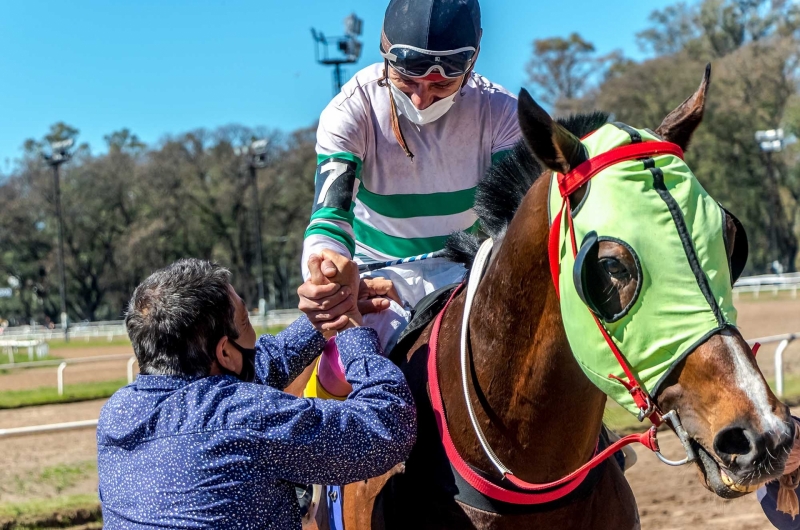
column 417, row 64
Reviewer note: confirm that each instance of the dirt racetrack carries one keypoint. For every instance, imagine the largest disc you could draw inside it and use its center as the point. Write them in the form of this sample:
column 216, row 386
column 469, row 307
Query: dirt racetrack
column 668, row 498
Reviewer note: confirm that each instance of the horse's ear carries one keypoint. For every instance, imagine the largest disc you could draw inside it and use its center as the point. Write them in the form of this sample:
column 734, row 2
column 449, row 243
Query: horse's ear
column 554, row 146
column 680, row 124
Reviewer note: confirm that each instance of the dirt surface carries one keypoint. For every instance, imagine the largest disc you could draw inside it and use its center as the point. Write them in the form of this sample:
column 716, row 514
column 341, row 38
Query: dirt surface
column 21, row 379
column 48, row 465
column 668, row 498
column 673, row 498
column 768, row 316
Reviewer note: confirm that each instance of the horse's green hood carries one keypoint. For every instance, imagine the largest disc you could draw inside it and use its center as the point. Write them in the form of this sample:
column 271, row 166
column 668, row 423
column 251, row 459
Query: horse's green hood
column 676, row 232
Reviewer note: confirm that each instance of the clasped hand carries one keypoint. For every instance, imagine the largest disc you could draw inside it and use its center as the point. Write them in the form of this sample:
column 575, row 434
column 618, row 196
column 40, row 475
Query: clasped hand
column 334, row 297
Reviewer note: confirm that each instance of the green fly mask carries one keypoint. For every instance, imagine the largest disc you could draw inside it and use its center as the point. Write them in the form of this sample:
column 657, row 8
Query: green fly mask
column 641, row 194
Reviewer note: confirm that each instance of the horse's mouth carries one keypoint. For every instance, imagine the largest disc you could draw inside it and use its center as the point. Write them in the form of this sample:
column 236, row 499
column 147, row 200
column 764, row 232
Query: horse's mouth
column 717, row 478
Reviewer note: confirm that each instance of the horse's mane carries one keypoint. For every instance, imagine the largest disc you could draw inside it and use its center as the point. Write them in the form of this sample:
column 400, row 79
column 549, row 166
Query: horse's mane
column 501, row 190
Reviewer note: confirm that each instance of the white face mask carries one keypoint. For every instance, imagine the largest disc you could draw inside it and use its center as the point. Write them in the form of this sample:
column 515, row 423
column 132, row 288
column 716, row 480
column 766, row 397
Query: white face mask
column 421, row 117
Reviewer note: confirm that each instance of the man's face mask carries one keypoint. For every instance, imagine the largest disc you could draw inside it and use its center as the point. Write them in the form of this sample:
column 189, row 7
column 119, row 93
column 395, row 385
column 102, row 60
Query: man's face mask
column 248, row 373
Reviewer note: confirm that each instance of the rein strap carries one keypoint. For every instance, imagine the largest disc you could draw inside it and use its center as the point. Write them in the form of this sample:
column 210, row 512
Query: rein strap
column 532, row 494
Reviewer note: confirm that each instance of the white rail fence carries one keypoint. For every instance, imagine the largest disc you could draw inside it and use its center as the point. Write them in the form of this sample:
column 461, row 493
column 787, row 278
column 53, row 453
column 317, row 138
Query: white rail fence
column 783, row 342
column 62, row 365
column 772, row 283
column 36, row 348
column 116, row 328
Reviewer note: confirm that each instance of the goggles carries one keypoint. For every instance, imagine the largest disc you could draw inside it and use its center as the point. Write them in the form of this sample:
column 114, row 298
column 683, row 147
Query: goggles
column 416, row 62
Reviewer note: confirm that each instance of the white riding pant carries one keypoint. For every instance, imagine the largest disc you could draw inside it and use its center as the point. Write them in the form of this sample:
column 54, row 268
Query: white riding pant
column 413, row 281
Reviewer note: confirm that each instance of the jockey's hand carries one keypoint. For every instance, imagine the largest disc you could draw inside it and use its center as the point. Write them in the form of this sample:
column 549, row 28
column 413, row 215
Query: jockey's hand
column 328, row 296
column 374, row 295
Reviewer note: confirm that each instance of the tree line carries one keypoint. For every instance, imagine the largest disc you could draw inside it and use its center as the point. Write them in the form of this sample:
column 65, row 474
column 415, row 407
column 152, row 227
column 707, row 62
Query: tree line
column 754, row 49
column 135, row 208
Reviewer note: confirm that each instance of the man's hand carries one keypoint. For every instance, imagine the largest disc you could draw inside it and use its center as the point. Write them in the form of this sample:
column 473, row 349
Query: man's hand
column 325, row 300
column 374, row 295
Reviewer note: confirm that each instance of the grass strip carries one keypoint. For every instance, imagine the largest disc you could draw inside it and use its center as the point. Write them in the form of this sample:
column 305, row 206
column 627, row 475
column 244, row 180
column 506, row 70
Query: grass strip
column 60, row 512
column 13, row 399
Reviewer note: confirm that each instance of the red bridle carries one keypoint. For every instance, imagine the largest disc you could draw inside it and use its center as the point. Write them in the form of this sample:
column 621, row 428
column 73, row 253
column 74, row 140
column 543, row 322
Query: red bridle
column 527, row 493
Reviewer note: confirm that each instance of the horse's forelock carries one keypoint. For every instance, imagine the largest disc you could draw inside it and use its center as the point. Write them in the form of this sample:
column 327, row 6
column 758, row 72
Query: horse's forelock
column 505, row 184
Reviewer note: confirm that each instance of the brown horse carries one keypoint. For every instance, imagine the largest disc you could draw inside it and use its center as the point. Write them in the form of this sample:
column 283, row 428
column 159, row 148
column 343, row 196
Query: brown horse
column 538, row 410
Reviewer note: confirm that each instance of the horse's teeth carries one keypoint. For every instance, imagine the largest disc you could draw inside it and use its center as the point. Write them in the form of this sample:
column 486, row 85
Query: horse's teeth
column 730, row 483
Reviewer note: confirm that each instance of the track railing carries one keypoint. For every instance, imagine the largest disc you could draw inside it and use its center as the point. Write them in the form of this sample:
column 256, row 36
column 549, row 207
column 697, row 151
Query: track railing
column 783, row 342
column 768, row 282
column 62, row 365
column 116, row 328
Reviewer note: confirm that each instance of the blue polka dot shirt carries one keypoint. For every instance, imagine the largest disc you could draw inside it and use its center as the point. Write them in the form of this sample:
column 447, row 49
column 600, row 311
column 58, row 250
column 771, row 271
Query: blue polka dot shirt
column 215, row 452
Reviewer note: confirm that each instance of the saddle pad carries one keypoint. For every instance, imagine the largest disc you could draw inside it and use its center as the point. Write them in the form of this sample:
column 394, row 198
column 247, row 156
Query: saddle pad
column 422, row 315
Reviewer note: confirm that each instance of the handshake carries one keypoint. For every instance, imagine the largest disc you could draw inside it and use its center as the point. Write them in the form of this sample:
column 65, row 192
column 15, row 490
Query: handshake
column 334, row 298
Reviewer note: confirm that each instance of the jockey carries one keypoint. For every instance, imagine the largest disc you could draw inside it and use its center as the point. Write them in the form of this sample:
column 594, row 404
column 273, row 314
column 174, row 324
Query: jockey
column 400, row 151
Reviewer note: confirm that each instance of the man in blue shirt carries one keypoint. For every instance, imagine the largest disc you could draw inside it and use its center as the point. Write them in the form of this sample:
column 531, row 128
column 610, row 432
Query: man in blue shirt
column 206, row 438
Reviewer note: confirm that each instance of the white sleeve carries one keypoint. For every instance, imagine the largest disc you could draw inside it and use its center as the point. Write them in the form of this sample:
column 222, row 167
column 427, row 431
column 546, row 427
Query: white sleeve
column 505, row 124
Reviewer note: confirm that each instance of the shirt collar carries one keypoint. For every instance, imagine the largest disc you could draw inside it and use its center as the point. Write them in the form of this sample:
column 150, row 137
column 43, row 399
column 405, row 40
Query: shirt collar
column 164, row 382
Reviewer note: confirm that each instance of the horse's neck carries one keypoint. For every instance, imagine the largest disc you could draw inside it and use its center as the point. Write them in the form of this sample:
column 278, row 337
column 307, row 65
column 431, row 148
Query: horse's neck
column 540, row 413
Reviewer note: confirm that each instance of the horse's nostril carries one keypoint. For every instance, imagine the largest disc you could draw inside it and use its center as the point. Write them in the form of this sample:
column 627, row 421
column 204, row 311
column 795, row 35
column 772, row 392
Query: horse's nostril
column 732, row 443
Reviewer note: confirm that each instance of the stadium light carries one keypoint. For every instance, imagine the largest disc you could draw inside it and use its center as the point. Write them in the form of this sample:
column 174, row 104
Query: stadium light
column 59, row 154
column 349, row 47
column 770, row 141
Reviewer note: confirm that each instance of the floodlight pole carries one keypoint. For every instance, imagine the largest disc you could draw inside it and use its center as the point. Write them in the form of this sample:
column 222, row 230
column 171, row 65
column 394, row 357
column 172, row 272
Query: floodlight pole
column 349, row 45
column 60, row 155
column 256, row 157
column 62, row 288
column 257, row 230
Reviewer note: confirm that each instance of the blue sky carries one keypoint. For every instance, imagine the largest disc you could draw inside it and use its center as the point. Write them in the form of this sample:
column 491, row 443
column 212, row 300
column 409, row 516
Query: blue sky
column 165, row 67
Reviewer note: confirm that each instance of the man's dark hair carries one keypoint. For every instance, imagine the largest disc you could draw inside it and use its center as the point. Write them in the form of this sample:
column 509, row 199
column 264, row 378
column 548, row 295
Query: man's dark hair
column 177, row 316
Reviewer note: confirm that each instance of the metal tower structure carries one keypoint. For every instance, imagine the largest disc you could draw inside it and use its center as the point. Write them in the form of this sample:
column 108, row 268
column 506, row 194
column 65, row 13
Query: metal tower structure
column 348, row 49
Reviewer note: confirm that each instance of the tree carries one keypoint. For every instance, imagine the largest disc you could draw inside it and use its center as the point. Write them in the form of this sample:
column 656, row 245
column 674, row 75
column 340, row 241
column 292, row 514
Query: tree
column 137, row 208
column 564, row 71
column 753, row 82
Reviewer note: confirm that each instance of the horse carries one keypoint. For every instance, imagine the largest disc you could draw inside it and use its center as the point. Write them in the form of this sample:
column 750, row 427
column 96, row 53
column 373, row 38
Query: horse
column 533, row 401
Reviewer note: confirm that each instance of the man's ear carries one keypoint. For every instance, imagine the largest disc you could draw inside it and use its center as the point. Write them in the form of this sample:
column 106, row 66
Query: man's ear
column 223, row 358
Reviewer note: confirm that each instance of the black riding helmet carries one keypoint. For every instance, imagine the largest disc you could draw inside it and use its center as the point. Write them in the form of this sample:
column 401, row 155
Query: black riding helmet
column 424, row 36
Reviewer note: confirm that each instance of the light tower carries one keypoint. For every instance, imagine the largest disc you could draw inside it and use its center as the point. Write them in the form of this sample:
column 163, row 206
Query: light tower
column 256, row 158
column 59, row 153
column 349, row 48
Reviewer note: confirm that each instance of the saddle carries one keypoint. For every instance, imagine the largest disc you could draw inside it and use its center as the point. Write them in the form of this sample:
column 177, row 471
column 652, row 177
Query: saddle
column 422, row 315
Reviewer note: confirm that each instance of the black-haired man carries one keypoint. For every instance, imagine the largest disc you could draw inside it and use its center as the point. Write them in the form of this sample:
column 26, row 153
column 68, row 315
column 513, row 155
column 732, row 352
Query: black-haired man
column 206, row 438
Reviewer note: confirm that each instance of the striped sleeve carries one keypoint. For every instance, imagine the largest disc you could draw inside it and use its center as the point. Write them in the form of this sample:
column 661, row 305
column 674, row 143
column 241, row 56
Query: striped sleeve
column 341, row 143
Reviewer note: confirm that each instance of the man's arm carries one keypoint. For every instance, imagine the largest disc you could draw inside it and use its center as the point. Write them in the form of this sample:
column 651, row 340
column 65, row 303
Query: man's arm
column 337, row 442
column 341, row 147
column 281, row 358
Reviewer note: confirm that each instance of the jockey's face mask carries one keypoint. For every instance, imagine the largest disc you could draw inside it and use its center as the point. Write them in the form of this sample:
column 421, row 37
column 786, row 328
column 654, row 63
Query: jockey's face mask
column 676, row 234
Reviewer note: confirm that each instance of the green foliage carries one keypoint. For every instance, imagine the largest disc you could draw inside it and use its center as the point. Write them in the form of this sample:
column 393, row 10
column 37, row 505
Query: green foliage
column 136, row 208
column 754, row 46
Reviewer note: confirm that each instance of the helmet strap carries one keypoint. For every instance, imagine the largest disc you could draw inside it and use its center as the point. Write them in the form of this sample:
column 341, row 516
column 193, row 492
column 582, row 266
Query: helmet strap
column 395, row 120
